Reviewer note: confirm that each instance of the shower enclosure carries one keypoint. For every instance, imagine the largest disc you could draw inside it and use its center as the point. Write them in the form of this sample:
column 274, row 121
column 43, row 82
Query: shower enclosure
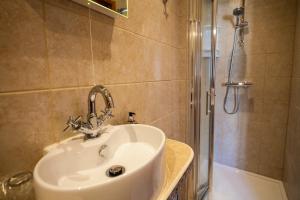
column 202, row 52
column 243, row 104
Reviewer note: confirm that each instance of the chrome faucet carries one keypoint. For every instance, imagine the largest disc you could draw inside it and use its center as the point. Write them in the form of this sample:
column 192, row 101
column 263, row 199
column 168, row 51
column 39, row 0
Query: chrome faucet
column 92, row 128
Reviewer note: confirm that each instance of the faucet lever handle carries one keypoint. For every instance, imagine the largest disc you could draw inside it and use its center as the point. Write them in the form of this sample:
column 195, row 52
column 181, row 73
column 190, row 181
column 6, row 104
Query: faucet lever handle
column 107, row 114
column 74, row 123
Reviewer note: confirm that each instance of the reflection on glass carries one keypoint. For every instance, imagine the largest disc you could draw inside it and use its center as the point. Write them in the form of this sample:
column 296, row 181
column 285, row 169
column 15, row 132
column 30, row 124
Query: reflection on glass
column 119, row 6
column 203, row 157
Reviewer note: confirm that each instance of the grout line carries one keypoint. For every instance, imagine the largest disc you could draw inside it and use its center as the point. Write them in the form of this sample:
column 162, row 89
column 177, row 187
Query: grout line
column 91, row 41
column 81, row 87
column 48, row 105
column 132, row 83
column 46, row 44
column 166, row 115
column 149, row 38
column 162, row 117
column 44, row 90
column 289, row 102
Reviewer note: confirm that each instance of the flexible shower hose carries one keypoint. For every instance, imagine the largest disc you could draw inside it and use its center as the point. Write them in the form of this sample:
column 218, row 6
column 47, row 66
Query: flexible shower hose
column 236, row 100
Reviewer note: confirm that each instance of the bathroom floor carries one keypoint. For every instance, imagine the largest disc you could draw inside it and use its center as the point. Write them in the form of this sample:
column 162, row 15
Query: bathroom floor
column 234, row 184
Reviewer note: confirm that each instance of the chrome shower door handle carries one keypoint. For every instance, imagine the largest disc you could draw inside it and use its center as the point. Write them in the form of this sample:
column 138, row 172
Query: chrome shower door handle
column 210, row 100
column 207, row 102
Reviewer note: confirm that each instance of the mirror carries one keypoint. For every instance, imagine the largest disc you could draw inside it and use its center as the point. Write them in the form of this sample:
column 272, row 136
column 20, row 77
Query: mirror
column 111, row 8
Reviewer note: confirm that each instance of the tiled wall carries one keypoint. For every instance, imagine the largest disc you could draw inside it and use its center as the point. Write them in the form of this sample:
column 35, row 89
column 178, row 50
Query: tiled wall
column 254, row 138
column 53, row 51
column 292, row 153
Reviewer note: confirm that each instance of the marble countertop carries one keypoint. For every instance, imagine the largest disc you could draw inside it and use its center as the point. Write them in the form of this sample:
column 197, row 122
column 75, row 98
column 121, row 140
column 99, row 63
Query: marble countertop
column 178, row 158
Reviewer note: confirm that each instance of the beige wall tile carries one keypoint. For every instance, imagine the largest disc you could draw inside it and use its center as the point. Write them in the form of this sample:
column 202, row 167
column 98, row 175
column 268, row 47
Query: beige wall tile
column 277, row 89
column 279, row 65
column 293, row 141
column 178, row 7
column 24, row 130
column 255, row 43
column 292, row 159
column 291, row 130
column 124, row 57
column 267, row 61
column 251, row 110
column 66, row 103
column 291, row 178
column 178, row 64
column 126, row 62
column 296, row 71
column 225, row 39
column 128, row 98
column 153, row 23
column 178, row 94
column 269, row 171
column 165, row 124
column 168, row 27
column 23, row 64
column 136, row 21
column 276, row 113
column 173, row 124
column 69, row 46
column 158, row 100
column 178, row 125
column 222, row 64
column 249, row 66
column 163, row 28
column 272, row 146
column 250, row 144
column 61, row 49
column 281, row 13
column 102, row 31
column 282, row 39
column 295, row 93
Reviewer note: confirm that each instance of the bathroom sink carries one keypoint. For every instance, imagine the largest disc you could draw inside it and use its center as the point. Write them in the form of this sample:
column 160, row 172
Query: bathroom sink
column 79, row 170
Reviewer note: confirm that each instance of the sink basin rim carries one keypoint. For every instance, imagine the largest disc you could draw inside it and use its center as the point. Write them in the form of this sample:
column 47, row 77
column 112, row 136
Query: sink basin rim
column 54, row 152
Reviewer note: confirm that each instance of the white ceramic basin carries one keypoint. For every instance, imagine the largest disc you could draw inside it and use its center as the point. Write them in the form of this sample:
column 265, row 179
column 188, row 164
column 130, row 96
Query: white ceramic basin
column 74, row 170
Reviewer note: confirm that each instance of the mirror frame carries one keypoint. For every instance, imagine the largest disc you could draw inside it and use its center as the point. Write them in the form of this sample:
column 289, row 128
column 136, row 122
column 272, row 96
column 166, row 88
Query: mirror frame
column 97, row 7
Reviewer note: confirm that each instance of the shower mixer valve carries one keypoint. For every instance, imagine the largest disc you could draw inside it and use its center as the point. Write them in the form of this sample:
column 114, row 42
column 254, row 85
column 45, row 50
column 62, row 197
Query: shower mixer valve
column 239, row 31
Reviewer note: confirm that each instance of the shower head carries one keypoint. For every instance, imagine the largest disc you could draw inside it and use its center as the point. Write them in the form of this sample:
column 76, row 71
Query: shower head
column 241, row 23
column 239, row 11
column 240, row 17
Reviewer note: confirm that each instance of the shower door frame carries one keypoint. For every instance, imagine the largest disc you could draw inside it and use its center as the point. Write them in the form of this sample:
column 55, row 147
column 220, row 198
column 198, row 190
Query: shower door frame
column 195, row 77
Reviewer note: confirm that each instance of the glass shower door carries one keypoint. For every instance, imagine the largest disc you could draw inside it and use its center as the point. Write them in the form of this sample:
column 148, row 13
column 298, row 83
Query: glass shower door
column 203, row 29
column 205, row 98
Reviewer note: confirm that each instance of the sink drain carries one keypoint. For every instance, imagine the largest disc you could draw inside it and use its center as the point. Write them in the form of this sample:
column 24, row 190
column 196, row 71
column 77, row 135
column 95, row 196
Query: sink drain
column 115, row 170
